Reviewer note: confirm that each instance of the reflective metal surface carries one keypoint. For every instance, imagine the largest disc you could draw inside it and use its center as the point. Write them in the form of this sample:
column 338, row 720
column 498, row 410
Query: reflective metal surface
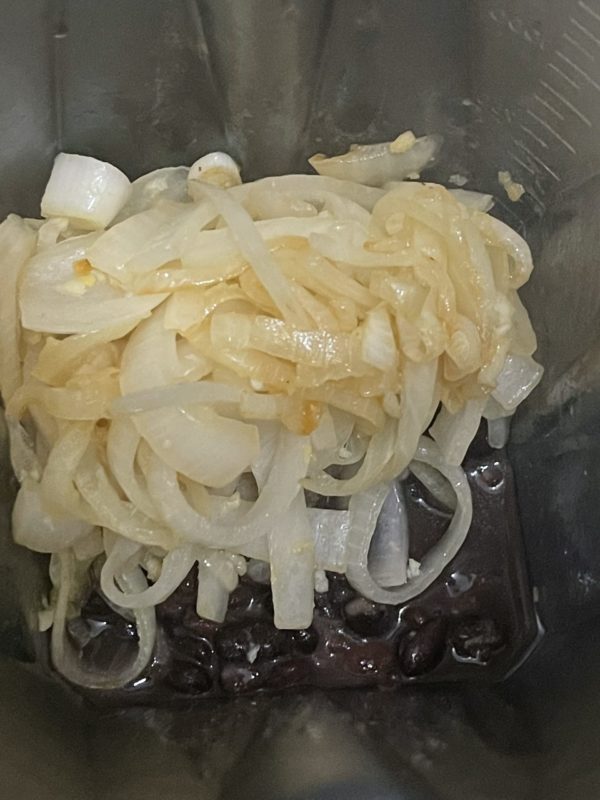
column 512, row 85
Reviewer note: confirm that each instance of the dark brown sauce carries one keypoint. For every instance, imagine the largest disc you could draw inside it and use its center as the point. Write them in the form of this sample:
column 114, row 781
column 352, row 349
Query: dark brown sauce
column 475, row 622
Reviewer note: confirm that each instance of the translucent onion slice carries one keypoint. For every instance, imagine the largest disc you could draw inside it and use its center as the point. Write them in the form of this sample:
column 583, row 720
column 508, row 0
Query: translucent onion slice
column 213, row 596
column 36, row 527
column 53, row 298
column 69, row 663
column 498, row 432
column 253, row 248
column 435, row 483
column 200, row 444
column 168, row 183
column 331, row 533
column 217, row 578
column 122, row 445
column 376, row 164
column 364, row 511
column 305, row 187
column 292, row 557
column 455, row 432
column 110, row 511
column 175, row 566
column 388, row 551
column 204, row 393
column 518, row 378
column 475, row 200
column 146, row 241
column 60, row 358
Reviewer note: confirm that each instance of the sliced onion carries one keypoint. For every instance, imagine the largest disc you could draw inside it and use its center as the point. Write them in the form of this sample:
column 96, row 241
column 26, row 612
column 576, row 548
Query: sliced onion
column 205, row 393
column 376, row 164
column 499, row 234
column 121, row 448
column 305, row 186
column 146, row 241
column 435, row 483
column 292, row 557
column 36, row 527
column 70, row 664
column 54, row 300
column 253, row 248
column 60, row 358
column 24, row 459
column 57, row 484
column 378, row 343
column 218, row 169
column 175, row 567
column 110, row 511
column 217, row 578
column 388, row 551
column 455, row 432
column 213, row 596
column 206, row 447
column 517, row 379
column 331, row 533
column 168, row 183
column 498, row 432
column 17, row 243
column 364, row 511
column 87, row 191
column 475, row 200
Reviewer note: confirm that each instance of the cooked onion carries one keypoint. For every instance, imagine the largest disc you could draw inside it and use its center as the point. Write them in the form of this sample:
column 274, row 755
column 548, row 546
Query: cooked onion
column 179, row 384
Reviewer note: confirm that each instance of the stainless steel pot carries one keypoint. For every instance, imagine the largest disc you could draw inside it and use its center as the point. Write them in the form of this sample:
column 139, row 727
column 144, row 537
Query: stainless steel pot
column 512, row 85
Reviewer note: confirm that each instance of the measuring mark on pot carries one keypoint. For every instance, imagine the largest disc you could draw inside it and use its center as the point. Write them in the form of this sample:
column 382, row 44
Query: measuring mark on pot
column 534, row 136
column 564, row 76
column 551, row 130
column 522, row 146
column 578, row 46
column 588, row 10
column 576, row 68
column 577, row 24
column 521, row 163
column 549, row 107
column 561, row 98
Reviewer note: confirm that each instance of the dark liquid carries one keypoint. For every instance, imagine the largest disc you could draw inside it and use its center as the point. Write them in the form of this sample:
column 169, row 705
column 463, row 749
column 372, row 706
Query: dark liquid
column 476, row 622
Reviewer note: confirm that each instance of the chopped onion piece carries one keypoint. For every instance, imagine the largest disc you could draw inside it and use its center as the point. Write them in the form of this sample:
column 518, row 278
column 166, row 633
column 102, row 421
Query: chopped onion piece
column 498, row 432
column 87, row 191
column 216, row 168
column 169, row 183
column 517, row 379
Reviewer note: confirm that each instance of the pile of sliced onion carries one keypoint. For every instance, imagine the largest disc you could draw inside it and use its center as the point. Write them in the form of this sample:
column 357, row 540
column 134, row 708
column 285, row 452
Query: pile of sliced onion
column 182, row 381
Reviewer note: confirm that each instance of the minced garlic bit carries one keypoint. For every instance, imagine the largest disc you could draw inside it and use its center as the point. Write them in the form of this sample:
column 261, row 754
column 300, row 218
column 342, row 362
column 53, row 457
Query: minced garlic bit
column 403, row 142
column 514, row 190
